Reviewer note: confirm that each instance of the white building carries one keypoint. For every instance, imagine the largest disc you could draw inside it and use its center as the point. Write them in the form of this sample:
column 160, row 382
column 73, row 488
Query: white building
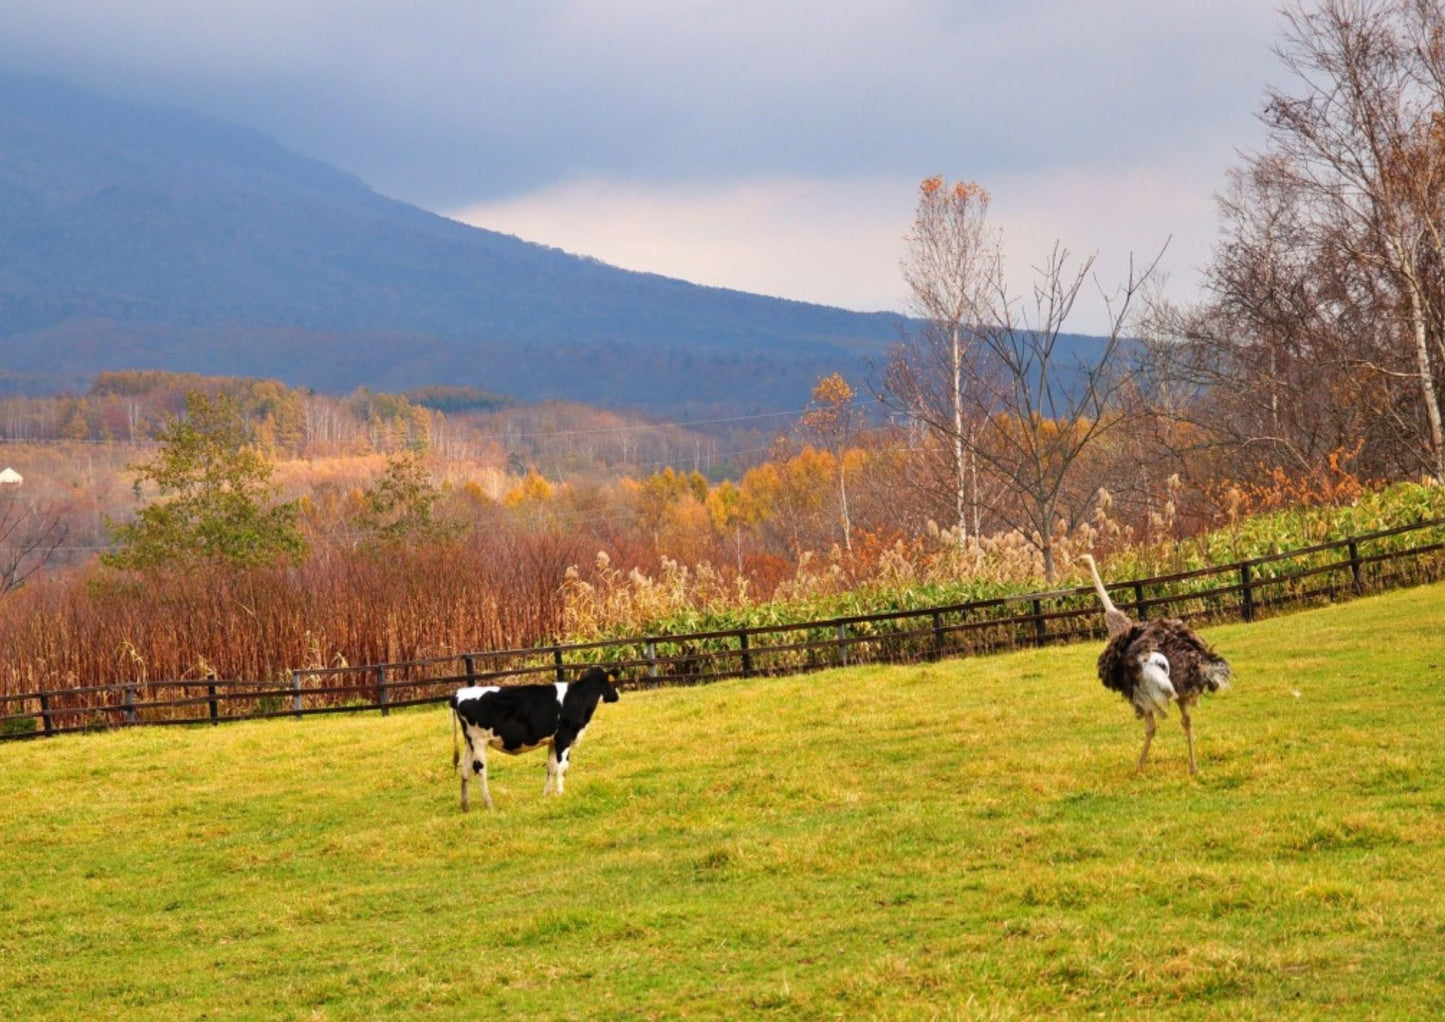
column 9, row 475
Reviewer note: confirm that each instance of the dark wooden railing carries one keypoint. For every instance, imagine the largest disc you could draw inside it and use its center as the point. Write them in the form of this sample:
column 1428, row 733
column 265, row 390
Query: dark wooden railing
column 1245, row 590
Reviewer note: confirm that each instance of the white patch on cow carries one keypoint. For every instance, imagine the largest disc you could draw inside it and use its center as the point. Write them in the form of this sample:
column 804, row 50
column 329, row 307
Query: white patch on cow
column 561, row 687
column 475, row 692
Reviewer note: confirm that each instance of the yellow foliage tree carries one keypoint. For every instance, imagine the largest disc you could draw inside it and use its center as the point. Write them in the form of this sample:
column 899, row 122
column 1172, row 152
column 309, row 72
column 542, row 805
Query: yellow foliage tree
column 832, row 420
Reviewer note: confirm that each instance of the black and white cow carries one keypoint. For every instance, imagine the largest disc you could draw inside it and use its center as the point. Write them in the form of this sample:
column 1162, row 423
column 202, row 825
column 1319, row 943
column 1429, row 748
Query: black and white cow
column 520, row 718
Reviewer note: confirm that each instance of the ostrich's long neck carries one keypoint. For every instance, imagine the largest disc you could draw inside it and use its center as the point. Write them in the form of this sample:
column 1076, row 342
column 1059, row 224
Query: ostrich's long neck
column 1115, row 620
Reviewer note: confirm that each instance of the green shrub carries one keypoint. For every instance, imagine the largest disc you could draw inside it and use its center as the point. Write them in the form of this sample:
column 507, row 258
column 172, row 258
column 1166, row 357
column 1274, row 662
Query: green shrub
column 19, row 726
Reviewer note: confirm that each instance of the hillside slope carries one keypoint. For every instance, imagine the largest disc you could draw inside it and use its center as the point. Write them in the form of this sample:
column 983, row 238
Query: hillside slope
column 958, row 840
column 133, row 237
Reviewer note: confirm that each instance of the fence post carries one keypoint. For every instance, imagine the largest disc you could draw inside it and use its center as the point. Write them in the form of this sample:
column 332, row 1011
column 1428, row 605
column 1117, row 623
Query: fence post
column 215, row 704
column 747, row 656
column 1041, row 632
column 651, row 650
column 381, row 689
column 557, row 662
column 843, row 645
column 1355, row 567
column 1246, row 607
column 296, row 688
column 471, row 663
column 1140, row 611
column 45, row 713
column 129, row 699
column 937, row 636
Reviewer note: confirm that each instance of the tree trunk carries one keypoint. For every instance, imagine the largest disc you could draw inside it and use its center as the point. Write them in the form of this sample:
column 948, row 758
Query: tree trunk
column 973, row 487
column 960, row 502
column 1427, row 385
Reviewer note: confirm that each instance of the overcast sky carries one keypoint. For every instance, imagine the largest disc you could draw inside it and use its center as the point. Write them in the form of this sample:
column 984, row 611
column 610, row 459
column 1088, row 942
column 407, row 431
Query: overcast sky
column 770, row 146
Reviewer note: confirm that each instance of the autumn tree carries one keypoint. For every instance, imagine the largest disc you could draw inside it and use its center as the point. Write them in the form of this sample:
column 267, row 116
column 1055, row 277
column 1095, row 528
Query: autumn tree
column 1325, row 331
column 31, row 533
column 216, row 502
column 998, row 376
column 532, row 499
column 731, row 512
column 402, row 505
column 787, row 500
column 832, row 421
column 952, row 265
column 660, row 493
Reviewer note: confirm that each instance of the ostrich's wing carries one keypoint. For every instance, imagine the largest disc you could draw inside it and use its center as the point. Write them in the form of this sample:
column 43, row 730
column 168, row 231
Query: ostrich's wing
column 1193, row 665
column 1119, row 663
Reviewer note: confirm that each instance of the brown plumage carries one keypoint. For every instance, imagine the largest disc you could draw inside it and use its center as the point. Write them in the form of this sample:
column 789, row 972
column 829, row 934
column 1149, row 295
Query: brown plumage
column 1151, row 662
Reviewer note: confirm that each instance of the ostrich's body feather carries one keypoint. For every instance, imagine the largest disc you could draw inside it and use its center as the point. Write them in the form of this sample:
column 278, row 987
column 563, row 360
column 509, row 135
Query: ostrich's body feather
column 1193, row 667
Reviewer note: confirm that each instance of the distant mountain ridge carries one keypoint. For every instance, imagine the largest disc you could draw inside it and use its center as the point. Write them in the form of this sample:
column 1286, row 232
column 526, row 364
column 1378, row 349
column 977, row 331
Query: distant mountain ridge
column 133, row 237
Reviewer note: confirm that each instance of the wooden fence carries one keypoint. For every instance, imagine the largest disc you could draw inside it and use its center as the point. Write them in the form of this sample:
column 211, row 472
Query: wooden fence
column 1246, row 590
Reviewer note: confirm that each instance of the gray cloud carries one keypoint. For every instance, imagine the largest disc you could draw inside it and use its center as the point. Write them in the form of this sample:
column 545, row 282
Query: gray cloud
column 670, row 135
column 446, row 102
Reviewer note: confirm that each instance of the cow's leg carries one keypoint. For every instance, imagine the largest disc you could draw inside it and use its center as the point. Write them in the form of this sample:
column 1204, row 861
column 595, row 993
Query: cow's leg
column 476, row 765
column 562, row 758
column 551, row 771
column 481, row 767
column 465, row 771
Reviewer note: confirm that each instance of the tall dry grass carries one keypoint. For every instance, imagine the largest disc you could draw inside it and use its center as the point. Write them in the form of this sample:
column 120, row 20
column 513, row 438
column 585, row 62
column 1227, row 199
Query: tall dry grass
column 339, row 608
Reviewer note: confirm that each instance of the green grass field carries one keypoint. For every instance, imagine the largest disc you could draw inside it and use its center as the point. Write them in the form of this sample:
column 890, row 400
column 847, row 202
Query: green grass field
column 958, row 840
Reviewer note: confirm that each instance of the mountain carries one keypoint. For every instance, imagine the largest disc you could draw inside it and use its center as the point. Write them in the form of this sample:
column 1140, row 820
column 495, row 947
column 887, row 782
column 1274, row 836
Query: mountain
column 135, row 237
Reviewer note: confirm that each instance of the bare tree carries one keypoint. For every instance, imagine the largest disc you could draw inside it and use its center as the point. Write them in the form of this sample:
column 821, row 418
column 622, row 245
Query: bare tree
column 1045, row 398
column 1356, row 144
column 30, row 536
column 1270, row 368
column 994, row 376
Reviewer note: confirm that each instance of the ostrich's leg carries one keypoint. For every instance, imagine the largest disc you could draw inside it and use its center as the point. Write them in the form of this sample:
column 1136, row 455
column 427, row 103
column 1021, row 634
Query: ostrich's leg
column 1188, row 734
column 1148, row 737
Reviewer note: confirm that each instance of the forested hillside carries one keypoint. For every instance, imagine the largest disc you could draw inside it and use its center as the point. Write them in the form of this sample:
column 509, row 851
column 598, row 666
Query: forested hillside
column 143, row 238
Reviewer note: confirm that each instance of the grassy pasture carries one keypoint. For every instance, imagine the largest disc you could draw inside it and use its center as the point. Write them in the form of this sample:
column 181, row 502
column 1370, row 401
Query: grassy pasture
column 958, row 840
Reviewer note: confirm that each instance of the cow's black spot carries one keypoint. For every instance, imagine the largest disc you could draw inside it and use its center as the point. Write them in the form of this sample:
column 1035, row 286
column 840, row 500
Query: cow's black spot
column 477, row 765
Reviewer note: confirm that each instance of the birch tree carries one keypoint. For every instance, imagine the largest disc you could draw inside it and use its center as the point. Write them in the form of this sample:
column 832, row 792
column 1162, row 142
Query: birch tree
column 952, row 265
column 994, row 374
column 1357, row 139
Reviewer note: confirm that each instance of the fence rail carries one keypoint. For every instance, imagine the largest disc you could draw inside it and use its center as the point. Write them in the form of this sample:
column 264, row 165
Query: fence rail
column 1244, row 590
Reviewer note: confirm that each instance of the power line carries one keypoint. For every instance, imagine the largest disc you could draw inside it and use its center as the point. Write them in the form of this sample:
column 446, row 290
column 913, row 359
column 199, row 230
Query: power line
column 644, row 426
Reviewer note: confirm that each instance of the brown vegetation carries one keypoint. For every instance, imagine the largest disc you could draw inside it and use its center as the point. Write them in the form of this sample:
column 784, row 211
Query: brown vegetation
column 420, row 554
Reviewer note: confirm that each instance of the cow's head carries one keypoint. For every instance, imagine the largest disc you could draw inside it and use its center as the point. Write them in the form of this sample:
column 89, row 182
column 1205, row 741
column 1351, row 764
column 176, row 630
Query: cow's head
column 603, row 679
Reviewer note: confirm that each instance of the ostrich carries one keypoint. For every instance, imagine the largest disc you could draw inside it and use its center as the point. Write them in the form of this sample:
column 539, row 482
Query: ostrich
column 1152, row 662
